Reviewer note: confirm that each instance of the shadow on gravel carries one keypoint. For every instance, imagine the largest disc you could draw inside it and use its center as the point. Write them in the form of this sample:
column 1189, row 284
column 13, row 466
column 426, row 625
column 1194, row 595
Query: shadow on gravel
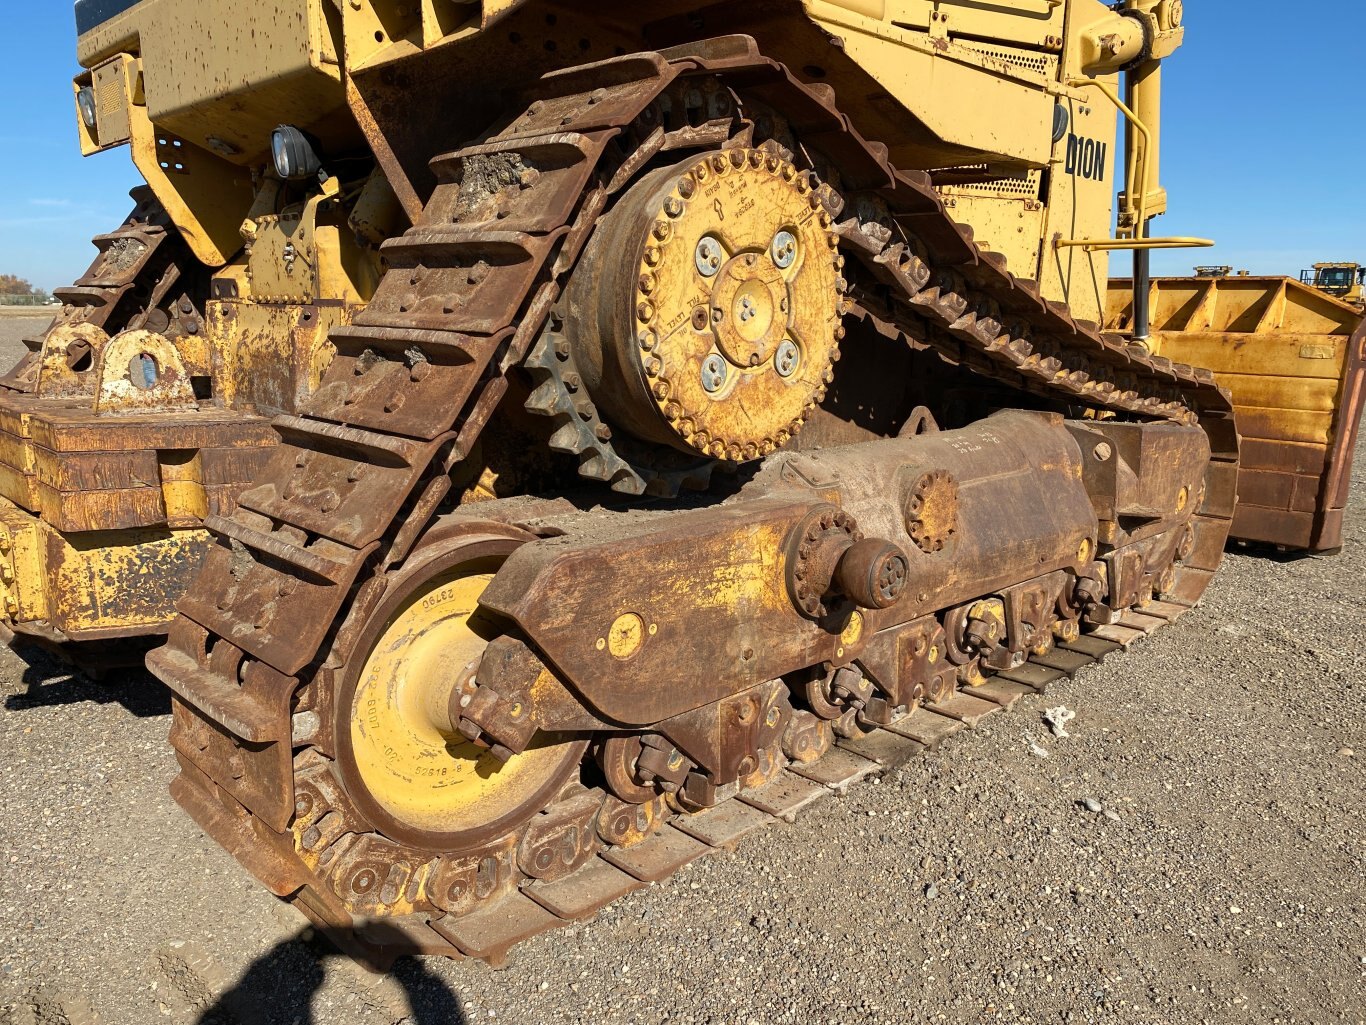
column 1271, row 553
column 278, row 987
column 53, row 681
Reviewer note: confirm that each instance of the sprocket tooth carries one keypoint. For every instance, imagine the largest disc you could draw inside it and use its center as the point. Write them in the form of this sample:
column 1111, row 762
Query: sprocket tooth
column 698, row 479
column 595, row 468
column 629, row 483
column 546, row 398
column 606, row 466
column 539, row 357
column 568, row 439
column 661, row 486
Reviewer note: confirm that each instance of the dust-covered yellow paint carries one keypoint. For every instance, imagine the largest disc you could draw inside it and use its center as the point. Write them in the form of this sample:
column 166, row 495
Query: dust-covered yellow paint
column 410, row 759
column 99, row 583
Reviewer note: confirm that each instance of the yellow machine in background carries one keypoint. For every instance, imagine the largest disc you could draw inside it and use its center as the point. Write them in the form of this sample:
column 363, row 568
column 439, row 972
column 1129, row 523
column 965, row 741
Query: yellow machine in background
column 1340, row 280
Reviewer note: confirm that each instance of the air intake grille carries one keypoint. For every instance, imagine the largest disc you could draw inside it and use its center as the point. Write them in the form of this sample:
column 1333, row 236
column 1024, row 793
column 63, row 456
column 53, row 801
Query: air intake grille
column 1024, row 185
column 1040, row 63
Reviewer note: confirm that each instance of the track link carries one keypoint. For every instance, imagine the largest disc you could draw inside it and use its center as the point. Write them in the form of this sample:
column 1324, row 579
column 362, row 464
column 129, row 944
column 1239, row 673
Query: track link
column 366, row 466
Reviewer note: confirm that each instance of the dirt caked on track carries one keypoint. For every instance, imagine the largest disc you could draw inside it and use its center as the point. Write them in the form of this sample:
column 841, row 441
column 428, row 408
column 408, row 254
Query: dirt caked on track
column 323, row 556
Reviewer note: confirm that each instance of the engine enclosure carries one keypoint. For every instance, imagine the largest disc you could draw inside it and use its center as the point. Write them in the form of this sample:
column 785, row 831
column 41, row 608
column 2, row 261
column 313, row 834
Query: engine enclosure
column 196, row 87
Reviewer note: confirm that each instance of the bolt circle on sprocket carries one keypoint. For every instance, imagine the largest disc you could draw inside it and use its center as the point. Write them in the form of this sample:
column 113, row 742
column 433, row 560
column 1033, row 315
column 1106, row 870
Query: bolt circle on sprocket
column 706, row 316
column 777, row 290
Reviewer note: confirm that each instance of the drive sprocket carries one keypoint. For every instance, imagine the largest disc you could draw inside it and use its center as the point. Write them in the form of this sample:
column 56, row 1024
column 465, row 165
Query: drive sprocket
column 702, row 325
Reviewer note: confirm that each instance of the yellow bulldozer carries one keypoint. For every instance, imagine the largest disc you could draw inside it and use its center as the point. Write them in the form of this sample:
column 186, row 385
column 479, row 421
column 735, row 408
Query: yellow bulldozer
column 553, row 440
column 1344, row 281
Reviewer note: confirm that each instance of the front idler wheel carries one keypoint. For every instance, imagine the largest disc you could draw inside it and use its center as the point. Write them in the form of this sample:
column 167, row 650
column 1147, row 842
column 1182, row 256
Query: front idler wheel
column 405, row 763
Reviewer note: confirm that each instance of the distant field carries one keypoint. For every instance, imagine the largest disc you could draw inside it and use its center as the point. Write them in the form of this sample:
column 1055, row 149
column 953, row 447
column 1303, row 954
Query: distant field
column 17, row 323
column 26, row 311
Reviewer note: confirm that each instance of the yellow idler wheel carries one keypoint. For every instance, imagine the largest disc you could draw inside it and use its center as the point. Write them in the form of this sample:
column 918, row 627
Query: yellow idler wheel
column 405, row 765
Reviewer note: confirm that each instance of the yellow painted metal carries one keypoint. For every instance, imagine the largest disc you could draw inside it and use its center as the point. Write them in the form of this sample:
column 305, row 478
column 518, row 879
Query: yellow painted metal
column 142, row 370
column 411, row 761
column 94, row 586
column 205, row 196
column 118, row 87
column 271, row 356
column 1292, row 358
column 182, row 486
column 307, row 252
column 736, row 339
column 1033, row 23
column 1098, row 244
column 1139, row 176
column 164, row 94
column 303, row 273
column 57, row 377
column 278, row 59
column 626, row 636
column 24, row 593
column 947, row 80
column 1165, row 32
column 85, row 134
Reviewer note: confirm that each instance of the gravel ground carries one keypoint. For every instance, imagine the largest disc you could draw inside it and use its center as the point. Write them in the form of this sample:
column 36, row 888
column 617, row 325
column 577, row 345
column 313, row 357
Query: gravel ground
column 1221, row 881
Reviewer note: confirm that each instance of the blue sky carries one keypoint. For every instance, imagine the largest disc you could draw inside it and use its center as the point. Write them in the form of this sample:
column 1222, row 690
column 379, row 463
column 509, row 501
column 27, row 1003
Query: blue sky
column 1262, row 143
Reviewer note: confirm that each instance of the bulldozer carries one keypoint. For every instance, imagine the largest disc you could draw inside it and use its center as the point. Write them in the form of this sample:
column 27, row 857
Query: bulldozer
column 1343, row 281
column 550, row 441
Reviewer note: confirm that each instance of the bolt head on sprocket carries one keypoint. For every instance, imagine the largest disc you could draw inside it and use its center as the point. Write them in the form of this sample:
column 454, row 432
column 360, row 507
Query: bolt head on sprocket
column 708, row 314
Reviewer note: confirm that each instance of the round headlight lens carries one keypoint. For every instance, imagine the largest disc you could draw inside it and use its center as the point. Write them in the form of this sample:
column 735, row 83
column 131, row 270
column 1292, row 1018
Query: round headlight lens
column 280, row 150
column 85, row 102
column 294, row 154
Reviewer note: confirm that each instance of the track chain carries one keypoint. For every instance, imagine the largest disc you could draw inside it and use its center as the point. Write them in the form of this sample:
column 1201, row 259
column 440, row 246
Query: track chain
column 491, row 932
column 363, row 468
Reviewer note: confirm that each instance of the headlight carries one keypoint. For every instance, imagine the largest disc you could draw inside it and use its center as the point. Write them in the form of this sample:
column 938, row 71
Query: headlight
column 294, row 154
column 1062, row 120
column 85, row 100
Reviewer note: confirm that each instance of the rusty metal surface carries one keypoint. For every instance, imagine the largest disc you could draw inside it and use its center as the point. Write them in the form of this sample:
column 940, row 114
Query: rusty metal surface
column 763, row 662
column 566, row 596
column 143, row 414
column 109, row 463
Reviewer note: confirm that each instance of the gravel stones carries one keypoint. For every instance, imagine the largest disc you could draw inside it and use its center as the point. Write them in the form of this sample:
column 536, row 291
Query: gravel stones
column 1226, row 770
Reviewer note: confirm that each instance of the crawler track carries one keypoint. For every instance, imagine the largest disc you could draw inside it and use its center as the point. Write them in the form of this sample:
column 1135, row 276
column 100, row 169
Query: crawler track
column 270, row 626
column 132, row 279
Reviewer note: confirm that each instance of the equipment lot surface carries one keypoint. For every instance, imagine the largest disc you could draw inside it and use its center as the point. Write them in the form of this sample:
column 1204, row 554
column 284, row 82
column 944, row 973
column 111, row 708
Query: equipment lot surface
column 972, row 885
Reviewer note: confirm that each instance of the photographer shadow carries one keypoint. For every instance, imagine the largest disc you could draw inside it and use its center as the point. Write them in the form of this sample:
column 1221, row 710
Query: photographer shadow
column 279, row 987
